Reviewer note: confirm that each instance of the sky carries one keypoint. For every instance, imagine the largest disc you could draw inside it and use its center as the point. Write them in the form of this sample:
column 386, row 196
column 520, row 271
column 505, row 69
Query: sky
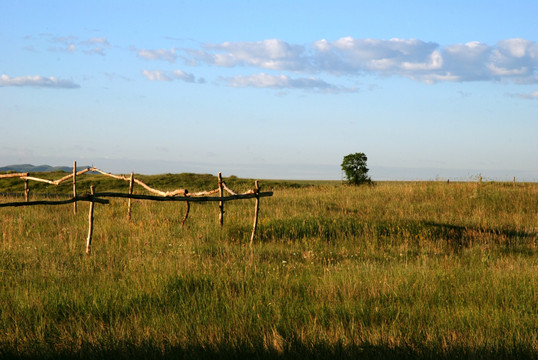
column 427, row 90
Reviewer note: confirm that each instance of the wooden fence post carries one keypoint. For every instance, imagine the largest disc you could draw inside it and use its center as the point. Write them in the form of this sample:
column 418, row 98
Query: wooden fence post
column 90, row 229
column 186, row 212
column 131, row 183
column 26, row 190
column 221, row 203
column 256, row 212
column 75, row 186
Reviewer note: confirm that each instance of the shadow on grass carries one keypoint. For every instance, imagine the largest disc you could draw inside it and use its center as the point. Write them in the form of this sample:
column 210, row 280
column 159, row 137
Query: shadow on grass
column 455, row 236
column 297, row 351
column 464, row 236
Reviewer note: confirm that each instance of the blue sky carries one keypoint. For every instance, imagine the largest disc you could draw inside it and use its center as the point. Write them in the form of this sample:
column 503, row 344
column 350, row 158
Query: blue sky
column 272, row 89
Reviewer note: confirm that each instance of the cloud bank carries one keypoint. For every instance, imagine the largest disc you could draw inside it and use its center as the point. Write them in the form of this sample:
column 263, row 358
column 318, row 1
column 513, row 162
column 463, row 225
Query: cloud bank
column 71, row 44
column 512, row 60
column 37, row 81
column 263, row 80
column 528, row 96
column 159, row 54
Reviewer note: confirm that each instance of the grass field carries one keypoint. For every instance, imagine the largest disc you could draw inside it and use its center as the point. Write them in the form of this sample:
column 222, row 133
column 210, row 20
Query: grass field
column 398, row 270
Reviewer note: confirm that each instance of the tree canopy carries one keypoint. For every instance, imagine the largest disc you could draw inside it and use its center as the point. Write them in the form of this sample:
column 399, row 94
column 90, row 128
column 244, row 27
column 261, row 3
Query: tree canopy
column 354, row 167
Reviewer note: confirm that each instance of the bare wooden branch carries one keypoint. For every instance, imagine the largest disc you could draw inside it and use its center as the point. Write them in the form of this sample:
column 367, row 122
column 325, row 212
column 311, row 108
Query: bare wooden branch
column 38, row 179
column 159, row 192
column 73, row 175
column 5, row 176
column 90, row 220
column 84, row 171
column 119, row 177
column 204, row 193
column 230, row 191
column 256, row 212
column 86, row 197
column 150, row 189
column 57, row 182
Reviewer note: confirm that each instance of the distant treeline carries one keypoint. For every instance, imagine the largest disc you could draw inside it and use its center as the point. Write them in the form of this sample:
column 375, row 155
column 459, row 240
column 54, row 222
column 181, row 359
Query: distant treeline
column 23, row 168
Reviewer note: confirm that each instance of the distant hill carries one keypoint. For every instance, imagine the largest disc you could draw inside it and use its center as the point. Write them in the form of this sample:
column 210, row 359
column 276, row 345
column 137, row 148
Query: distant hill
column 33, row 168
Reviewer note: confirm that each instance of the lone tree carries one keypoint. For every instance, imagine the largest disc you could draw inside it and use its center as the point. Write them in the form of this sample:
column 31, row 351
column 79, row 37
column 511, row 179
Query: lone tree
column 354, row 166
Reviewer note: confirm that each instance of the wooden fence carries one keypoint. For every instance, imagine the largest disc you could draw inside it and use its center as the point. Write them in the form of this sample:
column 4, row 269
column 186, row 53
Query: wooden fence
column 176, row 195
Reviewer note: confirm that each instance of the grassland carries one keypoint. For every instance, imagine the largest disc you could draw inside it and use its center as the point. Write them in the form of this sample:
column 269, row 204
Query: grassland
column 398, row 270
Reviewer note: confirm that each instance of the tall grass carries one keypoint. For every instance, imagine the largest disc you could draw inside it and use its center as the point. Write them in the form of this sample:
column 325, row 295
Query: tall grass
column 417, row 270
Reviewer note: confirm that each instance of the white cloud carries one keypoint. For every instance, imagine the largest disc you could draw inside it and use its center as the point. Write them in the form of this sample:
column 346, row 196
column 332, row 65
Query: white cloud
column 101, row 41
column 37, row 81
column 95, row 46
column 349, row 55
column 271, row 54
column 434, row 62
column 71, row 44
column 263, row 80
column 516, row 48
column 160, row 54
column 529, row 96
column 157, row 75
column 467, row 62
column 513, row 60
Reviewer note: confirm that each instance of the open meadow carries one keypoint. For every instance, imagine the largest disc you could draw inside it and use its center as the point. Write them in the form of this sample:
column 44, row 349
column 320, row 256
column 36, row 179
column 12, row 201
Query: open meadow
column 397, row 270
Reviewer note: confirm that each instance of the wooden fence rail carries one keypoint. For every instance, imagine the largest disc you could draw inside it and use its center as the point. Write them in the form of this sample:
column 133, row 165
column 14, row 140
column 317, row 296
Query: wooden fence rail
column 181, row 195
column 87, row 197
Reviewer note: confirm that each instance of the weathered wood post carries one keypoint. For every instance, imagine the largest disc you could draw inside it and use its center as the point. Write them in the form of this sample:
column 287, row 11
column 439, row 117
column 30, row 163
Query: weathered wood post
column 26, row 190
column 90, row 229
column 256, row 212
column 75, row 186
column 514, row 181
column 131, row 183
column 221, row 203
column 187, row 210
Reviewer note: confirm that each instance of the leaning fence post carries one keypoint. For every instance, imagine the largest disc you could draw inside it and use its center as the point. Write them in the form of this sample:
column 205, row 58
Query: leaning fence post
column 75, row 186
column 221, row 203
column 90, row 229
column 131, row 183
column 256, row 212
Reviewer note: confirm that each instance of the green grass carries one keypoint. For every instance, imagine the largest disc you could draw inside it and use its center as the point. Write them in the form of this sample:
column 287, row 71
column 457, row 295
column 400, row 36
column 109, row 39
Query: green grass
column 399, row 270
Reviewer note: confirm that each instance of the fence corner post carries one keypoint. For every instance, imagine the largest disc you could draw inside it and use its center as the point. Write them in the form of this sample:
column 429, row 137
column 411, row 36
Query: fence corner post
column 90, row 220
column 256, row 212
